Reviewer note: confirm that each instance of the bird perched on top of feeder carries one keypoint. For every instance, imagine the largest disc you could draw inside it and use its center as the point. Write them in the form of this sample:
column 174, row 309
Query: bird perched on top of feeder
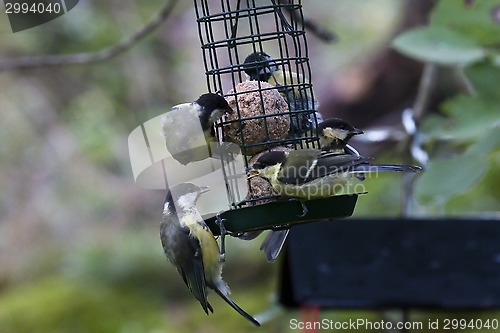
column 307, row 174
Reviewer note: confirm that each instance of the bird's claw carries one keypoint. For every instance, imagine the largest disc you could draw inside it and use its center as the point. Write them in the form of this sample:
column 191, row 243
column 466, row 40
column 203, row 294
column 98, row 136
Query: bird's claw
column 220, row 223
column 304, row 208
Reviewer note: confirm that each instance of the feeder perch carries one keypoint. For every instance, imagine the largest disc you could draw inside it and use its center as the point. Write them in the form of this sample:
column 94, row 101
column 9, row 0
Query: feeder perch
column 283, row 214
column 278, row 113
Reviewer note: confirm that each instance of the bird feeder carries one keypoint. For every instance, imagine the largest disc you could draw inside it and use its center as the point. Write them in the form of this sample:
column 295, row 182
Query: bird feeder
column 266, row 116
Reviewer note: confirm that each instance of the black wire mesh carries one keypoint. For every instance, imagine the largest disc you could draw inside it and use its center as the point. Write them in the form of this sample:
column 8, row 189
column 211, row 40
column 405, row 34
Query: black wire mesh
column 229, row 31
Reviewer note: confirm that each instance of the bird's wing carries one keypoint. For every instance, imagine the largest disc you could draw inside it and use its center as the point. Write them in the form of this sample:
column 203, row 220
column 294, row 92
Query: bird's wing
column 303, row 166
column 183, row 133
column 330, row 163
column 339, row 161
column 351, row 150
column 298, row 166
column 193, row 272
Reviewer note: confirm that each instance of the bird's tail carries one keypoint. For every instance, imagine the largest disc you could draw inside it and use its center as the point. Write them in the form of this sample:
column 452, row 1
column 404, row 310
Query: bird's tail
column 374, row 168
column 233, row 304
column 273, row 243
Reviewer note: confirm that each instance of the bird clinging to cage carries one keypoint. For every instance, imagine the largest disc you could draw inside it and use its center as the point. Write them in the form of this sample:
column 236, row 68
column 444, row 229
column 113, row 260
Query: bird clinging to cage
column 188, row 128
column 190, row 245
column 260, row 66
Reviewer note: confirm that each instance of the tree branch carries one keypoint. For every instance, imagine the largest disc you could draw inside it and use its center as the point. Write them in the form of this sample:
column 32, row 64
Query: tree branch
column 316, row 29
column 91, row 57
column 425, row 89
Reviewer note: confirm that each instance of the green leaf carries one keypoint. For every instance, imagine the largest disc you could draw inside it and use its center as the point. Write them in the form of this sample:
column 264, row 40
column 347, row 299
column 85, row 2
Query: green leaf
column 496, row 59
column 485, row 77
column 489, row 143
column 446, row 178
column 438, row 45
column 468, row 118
column 476, row 19
column 483, row 197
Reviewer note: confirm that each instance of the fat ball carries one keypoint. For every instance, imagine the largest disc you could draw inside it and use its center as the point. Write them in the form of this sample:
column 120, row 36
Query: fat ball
column 261, row 116
column 293, row 86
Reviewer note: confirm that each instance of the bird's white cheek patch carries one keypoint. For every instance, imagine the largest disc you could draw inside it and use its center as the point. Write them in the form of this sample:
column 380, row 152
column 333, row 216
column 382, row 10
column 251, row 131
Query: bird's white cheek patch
column 340, row 134
column 166, row 207
column 186, row 201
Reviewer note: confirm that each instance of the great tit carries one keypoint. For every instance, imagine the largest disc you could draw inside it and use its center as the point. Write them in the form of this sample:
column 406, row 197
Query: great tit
column 191, row 247
column 334, row 135
column 260, row 66
column 307, row 174
column 188, row 128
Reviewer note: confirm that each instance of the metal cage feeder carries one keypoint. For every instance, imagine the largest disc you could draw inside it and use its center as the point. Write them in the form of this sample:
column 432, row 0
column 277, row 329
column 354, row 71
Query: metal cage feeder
column 229, row 31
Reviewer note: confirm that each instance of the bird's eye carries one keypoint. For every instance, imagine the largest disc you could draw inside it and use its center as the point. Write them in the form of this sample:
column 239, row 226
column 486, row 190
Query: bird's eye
column 257, row 165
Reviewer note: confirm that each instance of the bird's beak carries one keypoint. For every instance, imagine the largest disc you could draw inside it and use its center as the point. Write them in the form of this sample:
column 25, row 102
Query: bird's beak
column 356, row 131
column 204, row 189
column 229, row 110
column 252, row 173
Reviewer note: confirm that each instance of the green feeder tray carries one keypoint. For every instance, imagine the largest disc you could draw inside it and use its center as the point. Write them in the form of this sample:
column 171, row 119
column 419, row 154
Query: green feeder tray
column 284, row 214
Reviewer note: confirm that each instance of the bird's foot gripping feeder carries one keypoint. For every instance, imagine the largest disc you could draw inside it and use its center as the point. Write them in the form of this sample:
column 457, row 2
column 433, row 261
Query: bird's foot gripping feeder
column 255, row 54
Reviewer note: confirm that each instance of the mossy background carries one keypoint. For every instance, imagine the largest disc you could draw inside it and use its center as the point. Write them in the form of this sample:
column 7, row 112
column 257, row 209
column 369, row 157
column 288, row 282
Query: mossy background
column 79, row 243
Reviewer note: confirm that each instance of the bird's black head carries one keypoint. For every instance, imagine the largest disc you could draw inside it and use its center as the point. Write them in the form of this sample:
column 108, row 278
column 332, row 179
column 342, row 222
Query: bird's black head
column 269, row 159
column 212, row 108
column 179, row 190
column 338, row 124
column 259, row 66
column 335, row 128
column 211, row 102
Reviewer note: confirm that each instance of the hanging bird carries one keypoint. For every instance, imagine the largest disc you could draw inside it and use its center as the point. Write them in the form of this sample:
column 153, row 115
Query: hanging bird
column 188, row 128
column 191, row 247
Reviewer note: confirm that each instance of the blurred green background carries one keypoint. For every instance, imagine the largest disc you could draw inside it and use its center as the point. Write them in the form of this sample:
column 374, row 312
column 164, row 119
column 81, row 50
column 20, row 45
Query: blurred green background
column 79, row 242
